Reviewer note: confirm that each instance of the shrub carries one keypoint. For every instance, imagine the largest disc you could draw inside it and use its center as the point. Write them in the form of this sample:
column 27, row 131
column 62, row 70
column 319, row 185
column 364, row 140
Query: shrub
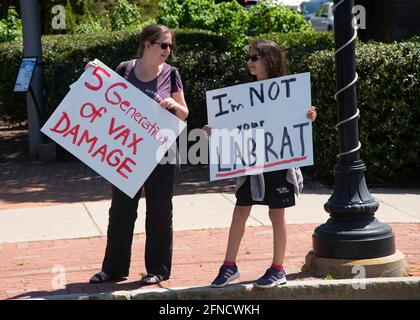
column 93, row 25
column 266, row 18
column 194, row 14
column 388, row 92
column 70, row 19
column 11, row 27
column 124, row 15
column 230, row 19
column 388, row 99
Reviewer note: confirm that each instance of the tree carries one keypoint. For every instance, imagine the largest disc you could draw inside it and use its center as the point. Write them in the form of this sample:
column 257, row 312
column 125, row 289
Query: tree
column 70, row 19
column 380, row 20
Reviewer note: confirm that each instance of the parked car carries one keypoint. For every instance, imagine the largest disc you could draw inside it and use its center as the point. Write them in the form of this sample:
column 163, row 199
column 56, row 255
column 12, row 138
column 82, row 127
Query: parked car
column 323, row 20
column 309, row 8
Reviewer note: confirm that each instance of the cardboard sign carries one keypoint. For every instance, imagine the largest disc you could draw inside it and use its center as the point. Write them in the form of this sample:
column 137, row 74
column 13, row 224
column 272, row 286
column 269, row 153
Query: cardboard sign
column 113, row 127
column 260, row 126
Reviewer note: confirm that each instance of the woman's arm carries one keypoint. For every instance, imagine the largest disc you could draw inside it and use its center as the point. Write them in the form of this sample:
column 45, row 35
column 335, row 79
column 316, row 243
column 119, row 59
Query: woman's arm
column 177, row 103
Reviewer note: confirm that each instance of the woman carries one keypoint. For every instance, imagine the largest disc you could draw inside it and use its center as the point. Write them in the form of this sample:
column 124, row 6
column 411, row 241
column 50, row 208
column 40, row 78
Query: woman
column 266, row 60
column 160, row 81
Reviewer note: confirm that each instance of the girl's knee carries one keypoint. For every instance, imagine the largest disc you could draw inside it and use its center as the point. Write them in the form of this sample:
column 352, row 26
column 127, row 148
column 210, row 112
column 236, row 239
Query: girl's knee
column 241, row 213
column 276, row 214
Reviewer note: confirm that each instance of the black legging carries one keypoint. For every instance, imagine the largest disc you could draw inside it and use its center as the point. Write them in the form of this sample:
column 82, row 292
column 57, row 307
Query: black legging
column 159, row 188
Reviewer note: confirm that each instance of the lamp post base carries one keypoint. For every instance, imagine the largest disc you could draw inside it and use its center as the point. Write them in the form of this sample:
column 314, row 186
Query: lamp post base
column 352, row 232
column 353, row 239
column 389, row 266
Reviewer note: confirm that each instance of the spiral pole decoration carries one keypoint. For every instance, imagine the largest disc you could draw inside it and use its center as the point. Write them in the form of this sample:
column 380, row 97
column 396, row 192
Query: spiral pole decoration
column 353, row 82
column 352, row 232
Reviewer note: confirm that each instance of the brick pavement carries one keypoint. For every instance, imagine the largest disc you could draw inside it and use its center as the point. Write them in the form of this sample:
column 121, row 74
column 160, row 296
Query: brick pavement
column 30, row 269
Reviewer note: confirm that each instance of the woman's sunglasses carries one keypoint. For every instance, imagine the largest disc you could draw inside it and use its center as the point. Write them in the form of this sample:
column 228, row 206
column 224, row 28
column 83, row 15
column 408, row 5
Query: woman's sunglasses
column 164, row 45
column 253, row 58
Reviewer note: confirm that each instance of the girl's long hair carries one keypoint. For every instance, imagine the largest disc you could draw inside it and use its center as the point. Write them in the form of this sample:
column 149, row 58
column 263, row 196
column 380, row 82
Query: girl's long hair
column 274, row 58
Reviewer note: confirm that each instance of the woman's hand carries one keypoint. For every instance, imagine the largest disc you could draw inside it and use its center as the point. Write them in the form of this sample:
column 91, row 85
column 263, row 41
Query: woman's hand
column 169, row 103
column 312, row 113
column 91, row 64
column 207, row 129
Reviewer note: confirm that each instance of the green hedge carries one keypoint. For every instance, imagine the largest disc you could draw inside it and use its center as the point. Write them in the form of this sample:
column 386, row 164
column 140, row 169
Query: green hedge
column 203, row 58
column 66, row 55
column 388, row 91
column 388, row 99
column 299, row 46
column 231, row 20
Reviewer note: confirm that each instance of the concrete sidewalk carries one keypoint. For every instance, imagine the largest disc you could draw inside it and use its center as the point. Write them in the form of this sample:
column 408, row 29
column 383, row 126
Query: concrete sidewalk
column 191, row 212
column 53, row 222
column 53, row 250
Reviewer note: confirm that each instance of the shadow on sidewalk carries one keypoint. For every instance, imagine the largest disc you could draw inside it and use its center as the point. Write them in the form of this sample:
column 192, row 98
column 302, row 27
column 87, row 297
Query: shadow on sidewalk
column 84, row 288
column 121, row 285
column 73, row 181
column 68, row 180
column 14, row 146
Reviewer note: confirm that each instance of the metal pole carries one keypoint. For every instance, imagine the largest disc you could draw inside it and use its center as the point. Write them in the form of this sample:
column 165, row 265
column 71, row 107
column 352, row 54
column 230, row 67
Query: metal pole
column 32, row 47
column 352, row 232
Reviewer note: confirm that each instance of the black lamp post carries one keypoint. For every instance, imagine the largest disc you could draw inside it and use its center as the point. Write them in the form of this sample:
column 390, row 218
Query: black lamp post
column 35, row 98
column 352, row 232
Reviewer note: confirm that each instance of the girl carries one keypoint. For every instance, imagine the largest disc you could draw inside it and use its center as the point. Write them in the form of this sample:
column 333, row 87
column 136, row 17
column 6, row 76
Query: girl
column 266, row 60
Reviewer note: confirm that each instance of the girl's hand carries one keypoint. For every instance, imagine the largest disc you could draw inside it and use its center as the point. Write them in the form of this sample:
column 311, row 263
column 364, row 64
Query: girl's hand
column 168, row 103
column 207, row 129
column 91, row 64
column 312, row 113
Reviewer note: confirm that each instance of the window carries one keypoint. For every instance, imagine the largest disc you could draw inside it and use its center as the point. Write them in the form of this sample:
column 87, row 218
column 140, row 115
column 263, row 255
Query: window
column 323, row 10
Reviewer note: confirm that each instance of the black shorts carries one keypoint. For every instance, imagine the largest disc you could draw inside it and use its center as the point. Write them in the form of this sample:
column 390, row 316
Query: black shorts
column 279, row 193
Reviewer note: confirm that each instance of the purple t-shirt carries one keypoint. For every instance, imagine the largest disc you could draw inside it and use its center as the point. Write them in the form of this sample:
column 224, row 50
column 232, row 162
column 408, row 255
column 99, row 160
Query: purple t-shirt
column 159, row 88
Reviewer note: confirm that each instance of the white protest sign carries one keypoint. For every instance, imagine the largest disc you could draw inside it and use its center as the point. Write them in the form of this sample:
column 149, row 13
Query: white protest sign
column 113, row 127
column 260, row 126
